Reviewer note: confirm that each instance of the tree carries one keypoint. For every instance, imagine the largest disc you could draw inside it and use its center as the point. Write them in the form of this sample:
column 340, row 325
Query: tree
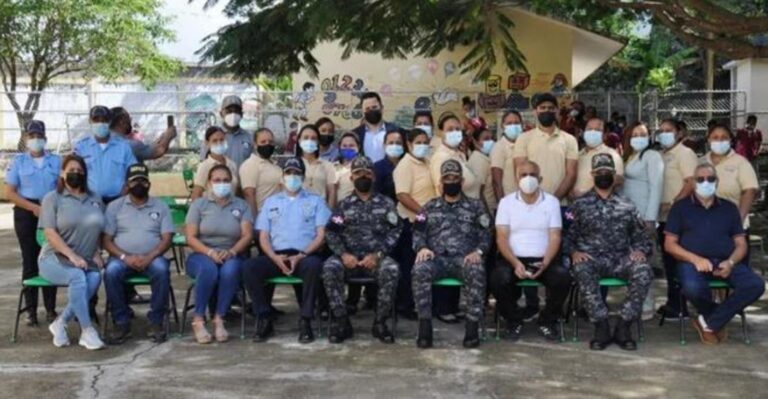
column 41, row 40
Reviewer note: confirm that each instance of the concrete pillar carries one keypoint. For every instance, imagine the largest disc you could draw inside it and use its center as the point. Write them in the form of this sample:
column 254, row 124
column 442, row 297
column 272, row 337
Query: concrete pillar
column 751, row 76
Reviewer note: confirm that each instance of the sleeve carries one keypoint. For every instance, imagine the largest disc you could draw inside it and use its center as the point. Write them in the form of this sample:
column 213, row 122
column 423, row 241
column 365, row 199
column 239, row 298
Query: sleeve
column 194, row 214
column 618, row 162
column 201, row 178
column 521, row 146
column 330, row 174
column 141, row 150
column 323, row 213
column 573, row 232
column 555, row 215
column 502, row 213
column 737, row 226
column 262, row 220
column 434, row 170
column 572, row 149
column 395, row 228
column 420, row 230
column 110, row 222
column 655, row 170
column 688, row 163
column 747, row 176
column 674, row 223
column 484, row 227
column 12, row 173
column 48, row 211
column 166, row 220
column 248, row 175
column 403, row 179
column 497, row 156
column 128, row 157
column 334, row 231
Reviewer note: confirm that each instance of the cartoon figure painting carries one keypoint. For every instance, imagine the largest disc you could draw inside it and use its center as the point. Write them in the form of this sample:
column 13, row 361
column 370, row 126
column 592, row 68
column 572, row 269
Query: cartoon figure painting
column 300, row 101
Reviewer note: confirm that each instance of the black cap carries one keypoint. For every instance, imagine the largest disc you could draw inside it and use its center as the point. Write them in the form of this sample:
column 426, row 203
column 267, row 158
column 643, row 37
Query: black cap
column 35, row 126
column 544, row 98
column 294, row 164
column 138, row 171
column 100, row 111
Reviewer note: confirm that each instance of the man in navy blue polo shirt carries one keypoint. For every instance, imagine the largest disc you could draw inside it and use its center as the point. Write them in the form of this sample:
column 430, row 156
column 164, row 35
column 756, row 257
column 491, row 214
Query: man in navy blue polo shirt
column 705, row 234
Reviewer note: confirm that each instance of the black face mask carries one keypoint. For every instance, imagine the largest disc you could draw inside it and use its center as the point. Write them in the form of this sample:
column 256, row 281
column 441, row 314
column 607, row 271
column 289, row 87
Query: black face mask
column 547, row 119
column 265, row 151
column 373, row 117
column 363, row 184
column 325, row 140
column 604, row 181
column 139, row 191
column 75, row 179
column 452, row 189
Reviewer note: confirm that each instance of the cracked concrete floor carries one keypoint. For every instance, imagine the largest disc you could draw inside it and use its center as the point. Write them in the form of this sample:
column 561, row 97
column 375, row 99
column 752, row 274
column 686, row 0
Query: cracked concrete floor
column 363, row 369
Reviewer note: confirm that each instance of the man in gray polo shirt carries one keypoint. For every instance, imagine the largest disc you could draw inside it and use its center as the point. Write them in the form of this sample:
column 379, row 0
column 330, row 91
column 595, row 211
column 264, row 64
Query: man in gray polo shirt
column 137, row 233
column 239, row 141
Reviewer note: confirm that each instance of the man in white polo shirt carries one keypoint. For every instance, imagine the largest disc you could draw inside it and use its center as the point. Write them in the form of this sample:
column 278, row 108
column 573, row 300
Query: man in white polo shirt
column 528, row 234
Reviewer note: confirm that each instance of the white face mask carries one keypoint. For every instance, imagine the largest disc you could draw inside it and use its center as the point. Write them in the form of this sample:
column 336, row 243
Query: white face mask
column 232, row 119
column 529, row 184
column 453, row 138
column 219, row 149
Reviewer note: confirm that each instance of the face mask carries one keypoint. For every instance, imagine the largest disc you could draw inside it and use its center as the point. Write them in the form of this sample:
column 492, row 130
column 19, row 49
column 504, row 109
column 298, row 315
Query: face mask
column 139, row 191
column 487, row 147
column 639, row 143
column 453, row 138
column 308, row 146
column 100, row 130
column 547, row 119
column 373, row 117
column 74, row 179
column 452, row 189
column 604, row 181
column 593, row 138
column 221, row 190
column 265, row 151
column 36, row 145
column 666, row 139
column 326, row 140
column 219, row 149
column 394, row 150
column 529, row 184
column 363, row 184
column 421, row 151
column 706, row 189
column 348, row 154
column 512, row 132
column 292, row 183
column 720, row 147
column 427, row 129
column 232, row 119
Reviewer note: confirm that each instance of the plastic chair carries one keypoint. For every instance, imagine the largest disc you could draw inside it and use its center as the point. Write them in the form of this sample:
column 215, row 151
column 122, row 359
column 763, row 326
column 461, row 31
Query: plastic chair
column 33, row 283
column 189, row 306
column 524, row 284
column 454, row 282
column 179, row 241
column 142, row 280
column 609, row 282
column 189, row 181
column 291, row 280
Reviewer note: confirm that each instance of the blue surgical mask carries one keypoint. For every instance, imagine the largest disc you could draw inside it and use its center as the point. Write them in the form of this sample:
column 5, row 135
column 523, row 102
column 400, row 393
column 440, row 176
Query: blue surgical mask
column 487, row 147
column 427, row 129
column 394, row 150
column 706, row 189
column 219, row 149
column 292, row 183
column 421, row 151
column 308, row 146
column 100, row 130
column 453, row 138
column 666, row 139
column 639, row 143
column 348, row 154
column 222, row 190
column 720, row 147
column 593, row 138
column 514, row 131
column 36, row 145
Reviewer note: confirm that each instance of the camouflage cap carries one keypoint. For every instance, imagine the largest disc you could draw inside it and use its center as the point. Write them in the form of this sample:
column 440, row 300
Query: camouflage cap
column 450, row 167
column 361, row 162
column 603, row 162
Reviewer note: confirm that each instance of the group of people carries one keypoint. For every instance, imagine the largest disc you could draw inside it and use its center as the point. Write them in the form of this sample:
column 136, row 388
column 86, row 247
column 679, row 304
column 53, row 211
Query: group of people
column 403, row 208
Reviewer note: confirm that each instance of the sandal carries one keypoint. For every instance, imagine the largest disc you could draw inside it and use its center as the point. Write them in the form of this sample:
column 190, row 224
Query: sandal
column 202, row 336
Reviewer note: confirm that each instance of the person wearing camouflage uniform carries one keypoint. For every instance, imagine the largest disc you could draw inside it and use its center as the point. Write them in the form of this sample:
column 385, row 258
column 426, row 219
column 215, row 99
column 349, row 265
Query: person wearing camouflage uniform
column 608, row 238
column 361, row 232
column 451, row 236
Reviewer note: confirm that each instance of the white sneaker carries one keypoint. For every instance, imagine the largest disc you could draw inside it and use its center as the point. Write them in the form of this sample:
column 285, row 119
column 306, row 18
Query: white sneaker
column 89, row 338
column 59, row 331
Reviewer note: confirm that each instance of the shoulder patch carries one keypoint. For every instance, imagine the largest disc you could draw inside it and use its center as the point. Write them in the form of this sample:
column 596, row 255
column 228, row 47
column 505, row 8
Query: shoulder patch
column 338, row 219
column 421, row 217
column 485, row 221
column 392, row 218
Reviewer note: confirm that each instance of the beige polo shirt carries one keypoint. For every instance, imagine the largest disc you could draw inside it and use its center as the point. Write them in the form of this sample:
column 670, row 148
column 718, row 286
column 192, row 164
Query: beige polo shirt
column 502, row 157
column 584, row 180
column 471, row 186
column 201, row 176
column 735, row 174
column 319, row 174
column 412, row 177
column 550, row 152
column 262, row 175
column 679, row 164
column 343, row 175
column 480, row 164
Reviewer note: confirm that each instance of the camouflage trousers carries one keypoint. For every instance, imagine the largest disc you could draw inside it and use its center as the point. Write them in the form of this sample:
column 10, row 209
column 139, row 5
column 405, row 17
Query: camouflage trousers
column 588, row 274
column 335, row 276
column 473, row 275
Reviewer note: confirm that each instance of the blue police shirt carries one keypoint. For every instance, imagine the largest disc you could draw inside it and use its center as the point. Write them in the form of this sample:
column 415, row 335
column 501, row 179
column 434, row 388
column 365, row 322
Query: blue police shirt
column 292, row 222
column 106, row 167
column 706, row 232
column 33, row 181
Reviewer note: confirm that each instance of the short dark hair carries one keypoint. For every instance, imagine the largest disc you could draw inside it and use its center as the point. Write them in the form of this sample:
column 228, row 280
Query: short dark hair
column 427, row 114
column 446, row 117
column 219, row 167
column 211, row 130
column 370, row 94
column 414, row 133
column 322, row 121
column 752, row 117
column 723, row 126
column 118, row 113
column 511, row 112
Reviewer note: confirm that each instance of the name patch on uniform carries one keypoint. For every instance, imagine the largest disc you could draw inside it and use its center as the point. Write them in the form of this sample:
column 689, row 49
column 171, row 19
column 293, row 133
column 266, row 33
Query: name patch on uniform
column 236, row 213
column 154, row 215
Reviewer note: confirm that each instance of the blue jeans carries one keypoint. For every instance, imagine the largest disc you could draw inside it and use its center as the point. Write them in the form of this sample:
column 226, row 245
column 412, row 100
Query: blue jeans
column 748, row 287
column 83, row 285
column 114, row 281
column 210, row 277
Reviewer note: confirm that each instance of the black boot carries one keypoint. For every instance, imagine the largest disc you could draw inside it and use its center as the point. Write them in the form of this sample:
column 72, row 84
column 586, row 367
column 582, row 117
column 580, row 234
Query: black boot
column 471, row 334
column 622, row 335
column 602, row 337
column 341, row 329
column 264, row 329
column 425, row 334
column 381, row 331
column 305, row 331
column 122, row 334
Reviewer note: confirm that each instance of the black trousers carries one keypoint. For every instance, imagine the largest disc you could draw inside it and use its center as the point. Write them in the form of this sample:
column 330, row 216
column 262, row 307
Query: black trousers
column 25, row 225
column 555, row 278
column 405, row 257
column 670, row 272
column 256, row 272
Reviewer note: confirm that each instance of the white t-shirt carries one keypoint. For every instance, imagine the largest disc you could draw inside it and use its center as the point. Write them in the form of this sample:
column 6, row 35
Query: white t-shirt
column 529, row 224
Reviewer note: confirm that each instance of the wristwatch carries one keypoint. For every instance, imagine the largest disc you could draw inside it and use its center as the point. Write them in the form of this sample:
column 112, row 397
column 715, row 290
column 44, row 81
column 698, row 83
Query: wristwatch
column 122, row 257
column 480, row 252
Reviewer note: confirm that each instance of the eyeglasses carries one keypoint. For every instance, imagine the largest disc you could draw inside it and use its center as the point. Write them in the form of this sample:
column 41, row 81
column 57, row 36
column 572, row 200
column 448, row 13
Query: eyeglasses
column 710, row 179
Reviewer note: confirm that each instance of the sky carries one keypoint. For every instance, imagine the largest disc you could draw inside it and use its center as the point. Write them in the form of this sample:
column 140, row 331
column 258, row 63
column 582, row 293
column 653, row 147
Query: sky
column 191, row 24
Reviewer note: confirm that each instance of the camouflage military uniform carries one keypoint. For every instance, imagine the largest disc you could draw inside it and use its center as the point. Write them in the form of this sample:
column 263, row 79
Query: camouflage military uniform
column 361, row 228
column 608, row 230
column 452, row 231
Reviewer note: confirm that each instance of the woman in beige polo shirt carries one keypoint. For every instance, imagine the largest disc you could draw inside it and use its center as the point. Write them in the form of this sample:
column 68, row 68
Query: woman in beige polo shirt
column 349, row 148
column 450, row 126
column 216, row 143
column 502, row 158
column 260, row 176
column 480, row 164
column 320, row 176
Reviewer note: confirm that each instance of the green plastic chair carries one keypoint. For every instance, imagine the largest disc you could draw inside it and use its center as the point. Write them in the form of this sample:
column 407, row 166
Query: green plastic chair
column 189, row 306
column 179, row 241
column 292, row 280
column 526, row 284
column 28, row 284
column 608, row 282
column 40, row 237
column 143, row 280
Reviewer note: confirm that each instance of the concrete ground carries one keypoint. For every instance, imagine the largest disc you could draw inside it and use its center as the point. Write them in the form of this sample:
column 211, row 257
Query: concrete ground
column 362, row 368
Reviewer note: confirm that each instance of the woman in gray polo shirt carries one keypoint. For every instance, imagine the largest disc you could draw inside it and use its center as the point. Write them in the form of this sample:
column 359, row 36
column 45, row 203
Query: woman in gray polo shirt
column 219, row 230
column 72, row 218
